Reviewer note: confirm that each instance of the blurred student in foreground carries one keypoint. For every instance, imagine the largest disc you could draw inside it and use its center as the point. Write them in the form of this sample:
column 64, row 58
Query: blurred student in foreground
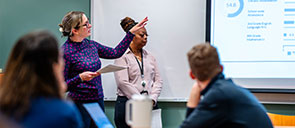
column 33, row 85
column 216, row 102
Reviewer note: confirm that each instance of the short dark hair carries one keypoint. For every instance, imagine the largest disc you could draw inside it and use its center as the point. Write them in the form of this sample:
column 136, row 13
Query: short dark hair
column 29, row 73
column 204, row 61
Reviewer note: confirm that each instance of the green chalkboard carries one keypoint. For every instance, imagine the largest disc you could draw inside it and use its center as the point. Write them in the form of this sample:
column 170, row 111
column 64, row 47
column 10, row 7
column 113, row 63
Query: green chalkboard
column 18, row 17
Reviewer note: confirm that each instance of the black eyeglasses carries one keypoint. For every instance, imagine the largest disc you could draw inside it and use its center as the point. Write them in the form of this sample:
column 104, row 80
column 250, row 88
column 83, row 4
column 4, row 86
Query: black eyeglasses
column 87, row 25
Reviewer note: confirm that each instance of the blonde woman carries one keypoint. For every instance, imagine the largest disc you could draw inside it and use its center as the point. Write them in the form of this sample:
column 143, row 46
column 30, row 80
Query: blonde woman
column 82, row 60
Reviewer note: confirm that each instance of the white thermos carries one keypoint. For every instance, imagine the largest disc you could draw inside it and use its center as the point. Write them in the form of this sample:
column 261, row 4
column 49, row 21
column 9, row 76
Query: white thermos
column 139, row 111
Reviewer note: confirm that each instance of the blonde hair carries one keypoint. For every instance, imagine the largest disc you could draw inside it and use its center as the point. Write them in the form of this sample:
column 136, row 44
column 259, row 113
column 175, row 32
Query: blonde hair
column 71, row 20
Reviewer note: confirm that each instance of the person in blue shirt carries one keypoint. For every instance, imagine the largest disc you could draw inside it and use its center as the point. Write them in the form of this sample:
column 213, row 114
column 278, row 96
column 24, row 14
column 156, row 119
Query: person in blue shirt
column 216, row 102
column 33, row 85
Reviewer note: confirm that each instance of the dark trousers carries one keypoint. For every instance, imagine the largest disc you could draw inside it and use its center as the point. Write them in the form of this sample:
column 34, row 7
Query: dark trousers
column 120, row 112
column 87, row 120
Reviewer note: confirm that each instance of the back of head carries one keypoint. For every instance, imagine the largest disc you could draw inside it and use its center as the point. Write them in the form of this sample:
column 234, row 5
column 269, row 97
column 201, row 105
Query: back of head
column 29, row 73
column 204, row 61
column 71, row 20
column 127, row 23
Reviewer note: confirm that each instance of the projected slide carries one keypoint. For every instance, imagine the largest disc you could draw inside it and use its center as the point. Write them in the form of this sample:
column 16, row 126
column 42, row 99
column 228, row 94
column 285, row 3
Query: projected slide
column 255, row 38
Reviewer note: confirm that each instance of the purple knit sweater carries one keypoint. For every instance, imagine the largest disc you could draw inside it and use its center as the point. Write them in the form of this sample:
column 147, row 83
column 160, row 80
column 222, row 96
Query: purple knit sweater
column 85, row 56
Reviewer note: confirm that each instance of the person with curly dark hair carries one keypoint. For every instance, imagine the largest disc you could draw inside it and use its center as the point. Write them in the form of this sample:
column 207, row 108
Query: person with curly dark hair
column 141, row 76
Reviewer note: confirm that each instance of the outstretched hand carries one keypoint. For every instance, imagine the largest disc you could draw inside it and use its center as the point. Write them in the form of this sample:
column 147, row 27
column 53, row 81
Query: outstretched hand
column 138, row 26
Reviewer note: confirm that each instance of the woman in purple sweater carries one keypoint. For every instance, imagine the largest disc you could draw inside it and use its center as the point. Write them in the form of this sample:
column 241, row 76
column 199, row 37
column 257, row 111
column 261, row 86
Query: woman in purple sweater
column 82, row 60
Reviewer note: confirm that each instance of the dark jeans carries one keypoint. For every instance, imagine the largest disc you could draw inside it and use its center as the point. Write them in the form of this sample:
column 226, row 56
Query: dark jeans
column 88, row 122
column 120, row 112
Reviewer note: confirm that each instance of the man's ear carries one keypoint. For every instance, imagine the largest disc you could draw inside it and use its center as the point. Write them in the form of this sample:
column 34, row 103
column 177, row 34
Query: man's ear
column 192, row 75
column 221, row 66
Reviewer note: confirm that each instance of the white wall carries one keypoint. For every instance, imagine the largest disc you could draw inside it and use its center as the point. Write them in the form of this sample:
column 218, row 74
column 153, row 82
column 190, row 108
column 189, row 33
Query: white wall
column 174, row 26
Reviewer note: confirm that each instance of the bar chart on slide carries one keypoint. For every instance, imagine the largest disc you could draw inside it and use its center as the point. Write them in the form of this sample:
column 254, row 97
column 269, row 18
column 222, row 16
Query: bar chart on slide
column 254, row 35
column 289, row 28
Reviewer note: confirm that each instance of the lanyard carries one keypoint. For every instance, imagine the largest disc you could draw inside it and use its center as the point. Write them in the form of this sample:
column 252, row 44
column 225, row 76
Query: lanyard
column 140, row 67
column 143, row 83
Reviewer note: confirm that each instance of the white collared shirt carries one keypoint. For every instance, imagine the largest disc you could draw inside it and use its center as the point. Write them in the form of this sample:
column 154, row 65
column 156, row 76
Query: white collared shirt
column 129, row 80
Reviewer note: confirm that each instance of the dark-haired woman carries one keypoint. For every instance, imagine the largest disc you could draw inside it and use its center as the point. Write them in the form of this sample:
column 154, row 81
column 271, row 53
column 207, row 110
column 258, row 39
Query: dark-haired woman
column 142, row 75
column 33, row 85
column 82, row 60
